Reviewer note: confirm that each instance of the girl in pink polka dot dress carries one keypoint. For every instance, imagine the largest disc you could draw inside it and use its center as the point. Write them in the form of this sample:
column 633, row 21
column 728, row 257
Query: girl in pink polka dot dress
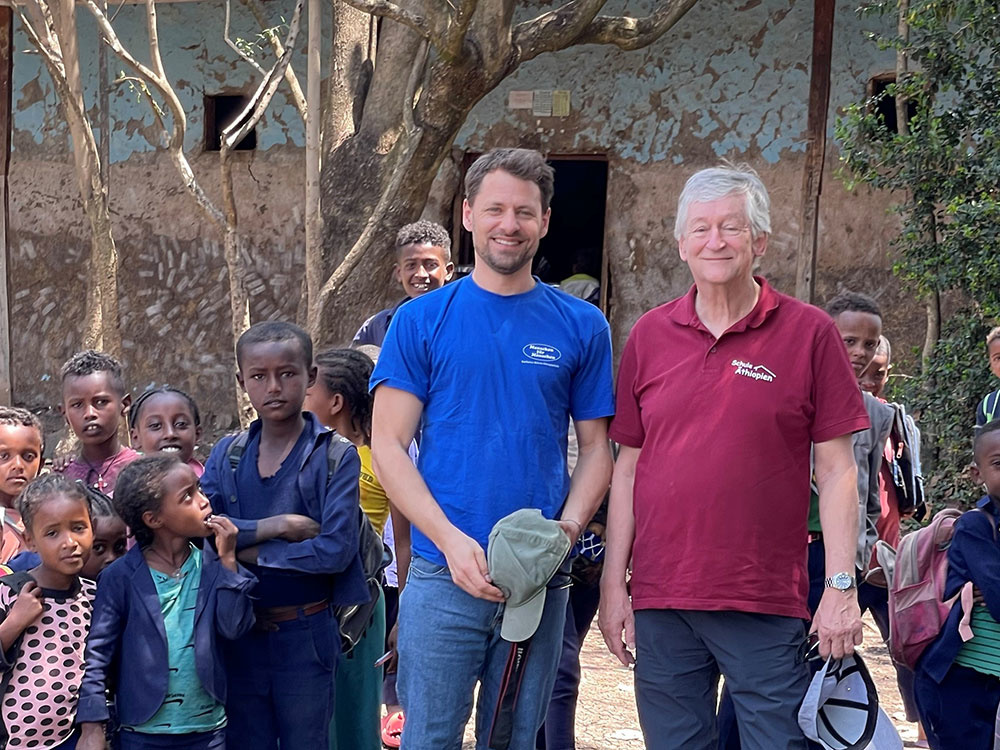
column 45, row 618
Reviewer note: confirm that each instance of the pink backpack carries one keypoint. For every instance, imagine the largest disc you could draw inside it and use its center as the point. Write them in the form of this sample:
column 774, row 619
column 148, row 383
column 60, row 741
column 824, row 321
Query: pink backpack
column 917, row 609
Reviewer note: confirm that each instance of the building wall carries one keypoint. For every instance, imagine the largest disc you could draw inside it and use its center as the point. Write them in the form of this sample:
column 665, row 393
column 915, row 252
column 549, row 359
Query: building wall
column 727, row 82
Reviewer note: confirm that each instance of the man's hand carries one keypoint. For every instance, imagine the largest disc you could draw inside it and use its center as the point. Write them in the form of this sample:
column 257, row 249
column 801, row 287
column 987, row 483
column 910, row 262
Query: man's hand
column 27, row 607
column 392, row 641
column 468, row 567
column 225, row 539
column 91, row 736
column 572, row 528
column 615, row 616
column 838, row 623
column 296, row 528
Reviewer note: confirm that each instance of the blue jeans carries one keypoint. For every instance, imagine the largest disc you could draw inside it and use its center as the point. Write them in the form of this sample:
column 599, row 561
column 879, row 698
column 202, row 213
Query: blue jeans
column 213, row 740
column 281, row 684
column 449, row 640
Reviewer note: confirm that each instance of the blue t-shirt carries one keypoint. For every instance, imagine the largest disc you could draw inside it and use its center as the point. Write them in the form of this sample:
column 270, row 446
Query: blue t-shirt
column 499, row 377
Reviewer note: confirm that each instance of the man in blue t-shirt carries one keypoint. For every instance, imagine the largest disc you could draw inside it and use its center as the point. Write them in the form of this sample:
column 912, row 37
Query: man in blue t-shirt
column 491, row 368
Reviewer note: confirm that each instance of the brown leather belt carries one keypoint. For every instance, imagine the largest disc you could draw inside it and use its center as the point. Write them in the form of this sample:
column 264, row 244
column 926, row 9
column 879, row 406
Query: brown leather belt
column 268, row 618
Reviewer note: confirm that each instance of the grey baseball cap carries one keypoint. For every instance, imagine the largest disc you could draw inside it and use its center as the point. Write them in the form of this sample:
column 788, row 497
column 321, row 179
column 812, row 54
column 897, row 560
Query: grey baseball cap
column 524, row 552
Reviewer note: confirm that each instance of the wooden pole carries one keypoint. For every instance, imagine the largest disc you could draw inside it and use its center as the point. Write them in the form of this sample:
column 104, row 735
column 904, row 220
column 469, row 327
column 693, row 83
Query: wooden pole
column 6, row 97
column 812, row 181
column 313, row 217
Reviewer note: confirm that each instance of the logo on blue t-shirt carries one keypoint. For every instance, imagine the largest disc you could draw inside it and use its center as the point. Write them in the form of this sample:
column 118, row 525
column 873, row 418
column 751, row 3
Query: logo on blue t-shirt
column 541, row 354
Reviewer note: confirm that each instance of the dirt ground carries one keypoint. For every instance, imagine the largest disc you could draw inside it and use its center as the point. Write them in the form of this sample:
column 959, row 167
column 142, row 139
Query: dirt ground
column 606, row 717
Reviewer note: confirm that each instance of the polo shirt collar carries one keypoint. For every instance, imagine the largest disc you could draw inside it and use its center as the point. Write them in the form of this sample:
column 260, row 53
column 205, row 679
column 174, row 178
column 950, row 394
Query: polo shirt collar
column 685, row 313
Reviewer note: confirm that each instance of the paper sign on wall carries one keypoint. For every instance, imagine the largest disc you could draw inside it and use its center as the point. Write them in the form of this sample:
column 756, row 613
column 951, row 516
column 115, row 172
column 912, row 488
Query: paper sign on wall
column 520, row 99
column 542, row 106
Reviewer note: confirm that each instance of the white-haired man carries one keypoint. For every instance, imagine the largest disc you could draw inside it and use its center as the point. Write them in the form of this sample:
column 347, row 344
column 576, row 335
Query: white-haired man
column 722, row 394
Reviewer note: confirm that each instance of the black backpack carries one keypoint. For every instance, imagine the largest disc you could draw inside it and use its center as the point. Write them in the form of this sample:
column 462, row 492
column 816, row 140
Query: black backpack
column 353, row 619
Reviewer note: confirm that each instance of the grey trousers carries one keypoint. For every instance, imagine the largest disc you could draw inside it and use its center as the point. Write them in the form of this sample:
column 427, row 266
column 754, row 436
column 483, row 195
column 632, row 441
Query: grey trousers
column 680, row 655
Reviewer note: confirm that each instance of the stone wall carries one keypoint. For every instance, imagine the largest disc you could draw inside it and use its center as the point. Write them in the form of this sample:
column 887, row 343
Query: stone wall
column 730, row 81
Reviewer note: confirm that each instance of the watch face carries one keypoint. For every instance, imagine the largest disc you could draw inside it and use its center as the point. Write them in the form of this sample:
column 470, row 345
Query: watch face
column 842, row 581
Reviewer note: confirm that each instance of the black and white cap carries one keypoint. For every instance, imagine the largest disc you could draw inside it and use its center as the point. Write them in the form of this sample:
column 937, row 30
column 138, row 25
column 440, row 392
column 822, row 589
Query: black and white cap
column 840, row 710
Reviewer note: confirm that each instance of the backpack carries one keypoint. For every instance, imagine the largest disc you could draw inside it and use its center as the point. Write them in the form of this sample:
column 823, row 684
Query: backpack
column 906, row 471
column 917, row 607
column 353, row 619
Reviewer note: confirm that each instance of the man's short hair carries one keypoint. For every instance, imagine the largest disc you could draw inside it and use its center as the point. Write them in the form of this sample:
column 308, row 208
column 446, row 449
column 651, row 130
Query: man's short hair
column 853, row 302
column 90, row 361
column 424, row 232
column 523, row 163
column 274, row 330
column 717, row 182
column 992, row 336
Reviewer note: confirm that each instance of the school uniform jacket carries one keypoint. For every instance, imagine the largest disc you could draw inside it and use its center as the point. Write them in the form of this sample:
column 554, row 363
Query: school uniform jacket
column 331, row 501
column 127, row 646
column 973, row 555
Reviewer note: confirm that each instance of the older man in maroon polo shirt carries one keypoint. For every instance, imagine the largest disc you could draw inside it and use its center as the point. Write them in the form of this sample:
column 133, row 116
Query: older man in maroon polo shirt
column 722, row 396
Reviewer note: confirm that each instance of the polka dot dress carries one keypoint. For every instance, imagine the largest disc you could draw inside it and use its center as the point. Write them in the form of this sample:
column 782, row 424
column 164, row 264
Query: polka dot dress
column 40, row 692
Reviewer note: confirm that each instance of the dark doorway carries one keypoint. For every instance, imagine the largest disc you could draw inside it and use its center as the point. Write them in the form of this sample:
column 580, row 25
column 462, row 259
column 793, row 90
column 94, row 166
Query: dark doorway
column 575, row 241
column 220, row 111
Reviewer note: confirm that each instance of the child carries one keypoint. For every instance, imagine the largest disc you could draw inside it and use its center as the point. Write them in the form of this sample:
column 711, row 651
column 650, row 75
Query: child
column 94, row 401
column 163, row 660
column 20, row 458
column 989, row 407
column 340, row 400
column 423, row 264
column 859, row 321
column 876, row 598
column 44, row 618
column 958, row 684
column 166, row 419
column 281, row 674
column 110, row 537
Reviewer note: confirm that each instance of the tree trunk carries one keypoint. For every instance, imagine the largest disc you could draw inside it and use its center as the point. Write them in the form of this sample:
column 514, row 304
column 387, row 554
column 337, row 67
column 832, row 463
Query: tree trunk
column 102, row 319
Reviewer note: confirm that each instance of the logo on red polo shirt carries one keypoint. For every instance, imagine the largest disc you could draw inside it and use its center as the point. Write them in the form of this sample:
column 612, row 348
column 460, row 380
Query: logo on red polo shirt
column 755, row 372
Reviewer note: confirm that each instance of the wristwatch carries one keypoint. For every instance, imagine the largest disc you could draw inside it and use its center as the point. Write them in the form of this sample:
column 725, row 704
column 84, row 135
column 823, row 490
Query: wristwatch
column 841, row 582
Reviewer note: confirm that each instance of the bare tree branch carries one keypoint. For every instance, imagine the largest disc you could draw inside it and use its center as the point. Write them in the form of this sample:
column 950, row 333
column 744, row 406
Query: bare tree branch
column 556, row 29
column 250, row 116
column 630, row 33
column 387, row 9
column 458, row 27
column 388, row 197
column 175, row 137
column 279, row 49
column 235, row 47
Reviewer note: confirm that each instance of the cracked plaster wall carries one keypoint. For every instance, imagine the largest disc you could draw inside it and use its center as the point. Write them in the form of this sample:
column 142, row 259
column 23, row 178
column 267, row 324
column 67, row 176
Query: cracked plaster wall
column 731, row 80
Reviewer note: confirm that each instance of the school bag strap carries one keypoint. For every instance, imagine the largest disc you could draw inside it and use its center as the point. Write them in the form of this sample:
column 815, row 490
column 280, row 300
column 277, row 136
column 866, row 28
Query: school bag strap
column 16, row 581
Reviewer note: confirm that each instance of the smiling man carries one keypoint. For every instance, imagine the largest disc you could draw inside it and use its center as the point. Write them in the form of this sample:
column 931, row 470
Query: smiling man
column 491, row 368
column 721, row 395
column 423, row 264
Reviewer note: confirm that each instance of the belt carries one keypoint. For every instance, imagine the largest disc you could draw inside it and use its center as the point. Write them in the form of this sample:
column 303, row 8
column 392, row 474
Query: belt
column 815, row 536
column 269, row 617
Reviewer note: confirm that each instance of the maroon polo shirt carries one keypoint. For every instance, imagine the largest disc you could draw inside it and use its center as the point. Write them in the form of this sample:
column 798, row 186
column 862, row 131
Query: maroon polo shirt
column 721, row 494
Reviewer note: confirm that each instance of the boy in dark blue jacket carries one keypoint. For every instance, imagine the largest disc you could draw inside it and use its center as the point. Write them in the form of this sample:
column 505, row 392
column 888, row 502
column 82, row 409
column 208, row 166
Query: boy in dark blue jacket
column 958, row 683
column 298, row 518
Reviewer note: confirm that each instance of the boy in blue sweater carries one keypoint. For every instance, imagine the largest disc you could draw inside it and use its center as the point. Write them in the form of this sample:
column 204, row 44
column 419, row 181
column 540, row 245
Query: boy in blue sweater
column 281, row 674
column 989, row 407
